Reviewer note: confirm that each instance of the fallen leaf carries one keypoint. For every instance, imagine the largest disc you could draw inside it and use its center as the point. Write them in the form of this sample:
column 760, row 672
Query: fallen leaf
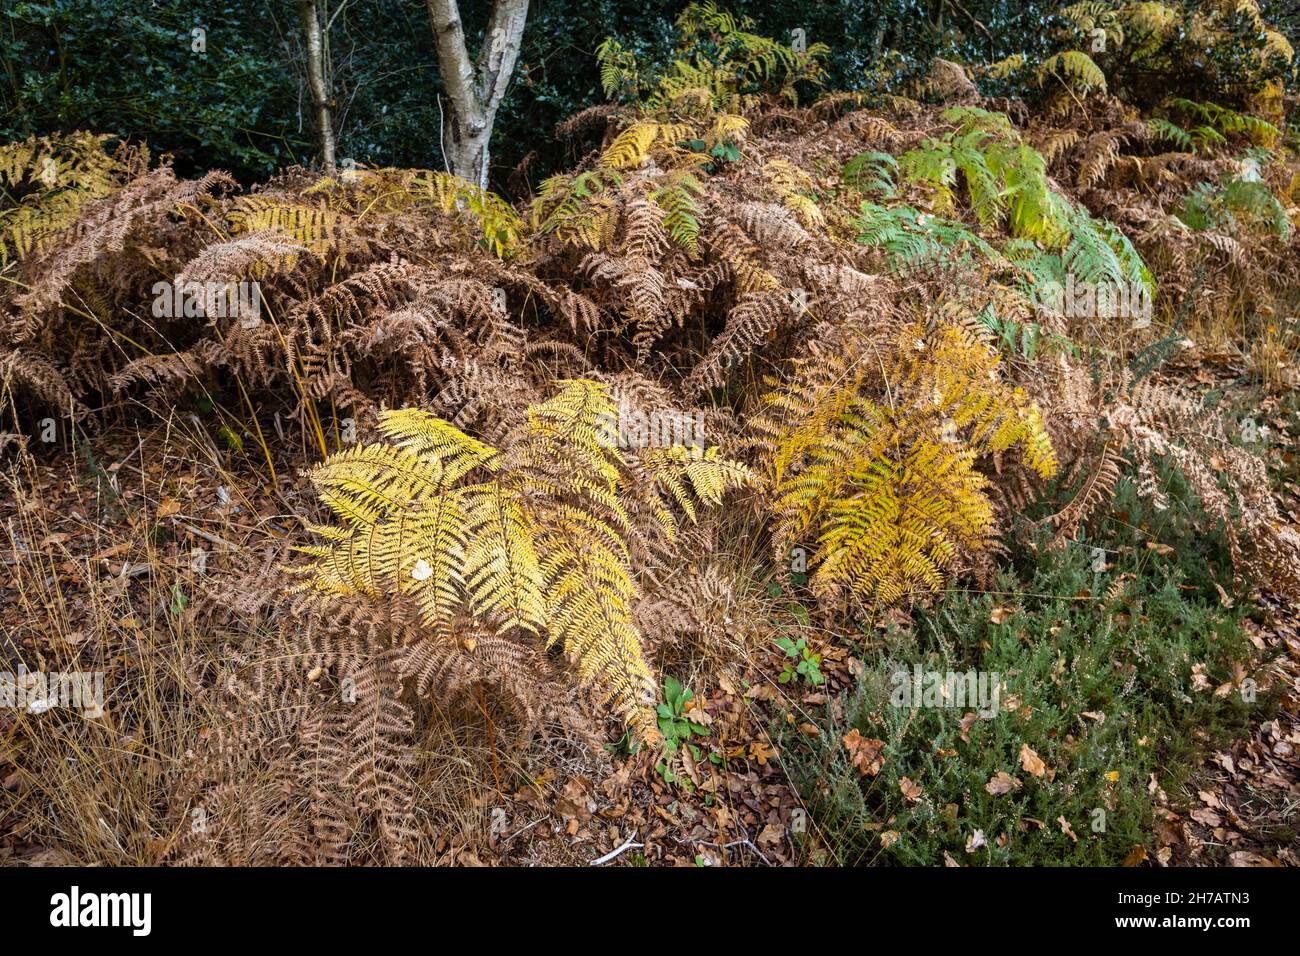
column 1135, row 856
column 967, row 721
column 1247, row 858
column 911, row 790
column 759, row 751
column 573, row 803
column 1206, row 817
column 864, row 752
column 1030, row 762
column 1199, row 681
column 1001, row 783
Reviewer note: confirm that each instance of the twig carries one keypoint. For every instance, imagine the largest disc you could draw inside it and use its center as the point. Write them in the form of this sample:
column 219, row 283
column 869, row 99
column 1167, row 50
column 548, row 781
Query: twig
column 629, row 845
column 525, row 829
column 208, row 536
column 492, row 737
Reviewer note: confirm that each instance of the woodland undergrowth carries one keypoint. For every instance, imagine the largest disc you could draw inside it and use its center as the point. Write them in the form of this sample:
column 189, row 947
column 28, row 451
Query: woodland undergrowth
column 889, row 328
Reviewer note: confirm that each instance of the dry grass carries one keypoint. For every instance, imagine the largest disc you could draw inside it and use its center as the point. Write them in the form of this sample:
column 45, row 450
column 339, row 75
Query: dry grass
column 97, row 578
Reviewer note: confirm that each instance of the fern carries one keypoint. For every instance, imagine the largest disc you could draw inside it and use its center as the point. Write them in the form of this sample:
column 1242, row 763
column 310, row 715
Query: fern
column 1215, row 122
column 1164, row 129
column 1098, row 252
column 542, row 544
column 312, row 226
column 677, row 198
column 876, row 457
column 1209, row 208
column 914, row 240
column 1002, row 175
column 871, row 172
column 47, row 181
column 1075, row 69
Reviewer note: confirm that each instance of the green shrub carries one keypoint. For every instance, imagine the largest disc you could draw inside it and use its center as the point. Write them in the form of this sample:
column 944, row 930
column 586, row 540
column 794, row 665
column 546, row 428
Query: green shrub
column 1114, row 679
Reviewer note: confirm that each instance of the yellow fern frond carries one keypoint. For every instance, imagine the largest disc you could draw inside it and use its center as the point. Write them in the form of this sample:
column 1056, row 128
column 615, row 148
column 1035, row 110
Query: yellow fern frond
column 540, row 547
column 427, row 436
column 877, row 458
column 631, row 146
column 312, row 226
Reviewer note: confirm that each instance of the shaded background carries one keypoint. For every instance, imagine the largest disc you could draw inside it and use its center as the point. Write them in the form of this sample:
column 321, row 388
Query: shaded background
column 126, row 67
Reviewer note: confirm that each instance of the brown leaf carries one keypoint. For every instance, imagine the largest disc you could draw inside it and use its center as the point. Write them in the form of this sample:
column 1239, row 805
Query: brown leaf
column 1030, row 762
column 760, row 751
column 864, row 752
column 573, row 802
column 1206, row 817
column 1135, row 856
column 912, row 791
column 967, row 721
column 1002, row 783
column 1247, row 858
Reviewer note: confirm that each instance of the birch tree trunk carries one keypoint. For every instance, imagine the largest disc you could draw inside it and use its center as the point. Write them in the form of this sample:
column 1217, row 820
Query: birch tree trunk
column 313, row 39
column 474, row 88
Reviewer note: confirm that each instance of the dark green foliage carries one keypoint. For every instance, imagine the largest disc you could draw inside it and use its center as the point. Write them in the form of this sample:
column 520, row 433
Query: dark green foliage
column 1099, row 674
column 127, row 68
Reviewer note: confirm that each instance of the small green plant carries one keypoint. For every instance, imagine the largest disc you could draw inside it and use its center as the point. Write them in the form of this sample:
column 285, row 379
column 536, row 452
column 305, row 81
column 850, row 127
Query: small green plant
column 1235, row 203
column 801, row 662
column 180, row 601
column 675, row 727
column 626, row 745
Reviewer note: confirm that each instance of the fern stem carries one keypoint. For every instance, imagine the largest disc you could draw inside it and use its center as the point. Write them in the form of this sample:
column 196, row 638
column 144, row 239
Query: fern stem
column 491, row 732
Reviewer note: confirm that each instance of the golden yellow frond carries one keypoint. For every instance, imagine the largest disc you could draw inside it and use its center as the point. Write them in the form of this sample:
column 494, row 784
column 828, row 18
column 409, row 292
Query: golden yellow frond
column 876, row 454
column 540, row 547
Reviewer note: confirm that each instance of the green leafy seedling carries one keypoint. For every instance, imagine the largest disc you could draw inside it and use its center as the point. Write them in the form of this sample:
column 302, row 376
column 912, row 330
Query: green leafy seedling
column 801, row 662
column 676, row 728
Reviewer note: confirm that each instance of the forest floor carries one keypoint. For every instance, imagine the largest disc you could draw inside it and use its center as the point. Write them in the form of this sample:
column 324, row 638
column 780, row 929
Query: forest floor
column 118, row 518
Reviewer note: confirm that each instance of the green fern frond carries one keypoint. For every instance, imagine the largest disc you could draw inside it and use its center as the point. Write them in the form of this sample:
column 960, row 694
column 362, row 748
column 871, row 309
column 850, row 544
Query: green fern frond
column 1075, row 69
